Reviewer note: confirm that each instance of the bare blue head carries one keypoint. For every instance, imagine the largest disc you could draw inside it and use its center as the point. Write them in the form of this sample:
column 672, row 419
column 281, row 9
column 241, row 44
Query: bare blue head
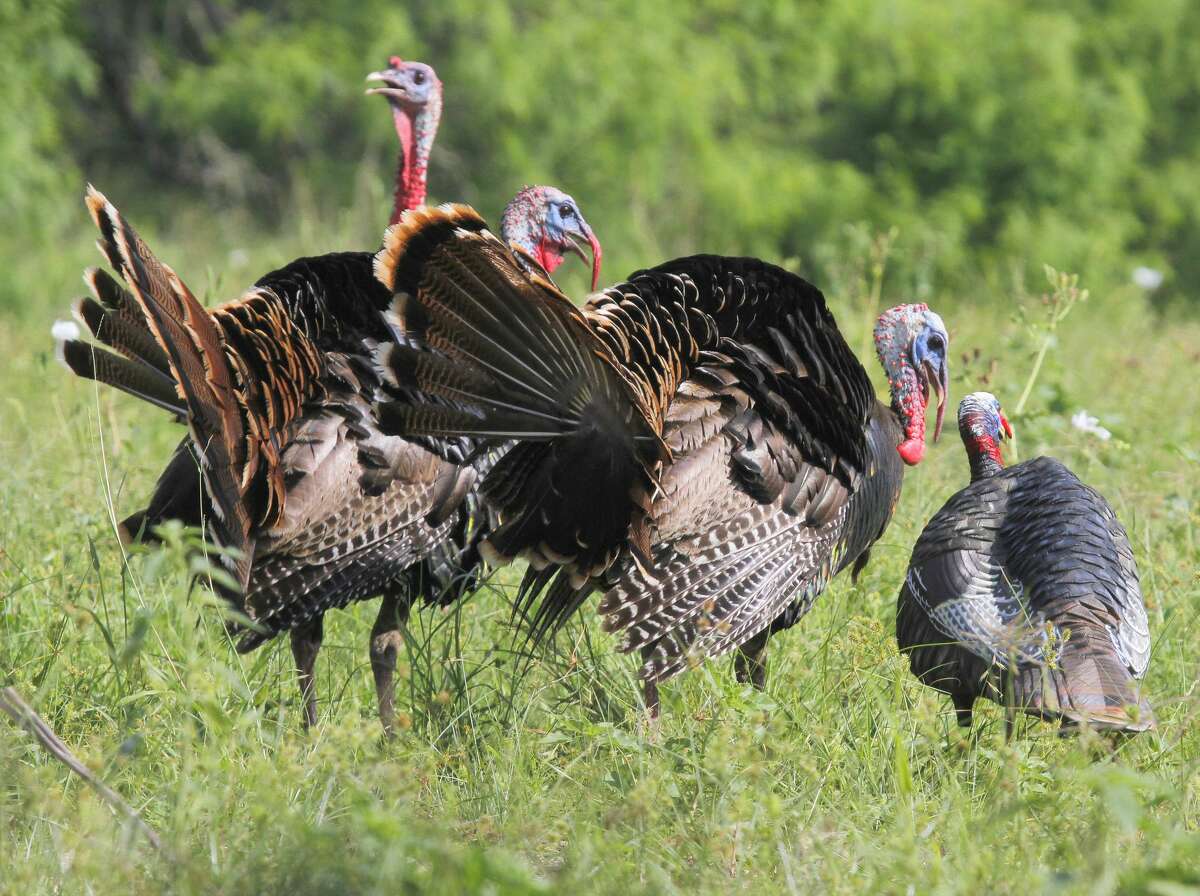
column 547, row 224
column 912, row 342
column 983, row 426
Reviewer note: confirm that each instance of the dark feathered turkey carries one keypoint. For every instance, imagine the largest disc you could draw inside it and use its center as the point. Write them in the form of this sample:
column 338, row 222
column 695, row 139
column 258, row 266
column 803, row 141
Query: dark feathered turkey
column 698, row 442
column 1023, row 589
column 284, row 462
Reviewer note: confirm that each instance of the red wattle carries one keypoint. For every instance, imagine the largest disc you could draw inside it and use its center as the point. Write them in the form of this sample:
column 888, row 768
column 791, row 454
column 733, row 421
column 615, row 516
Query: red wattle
column 909, row 402
column 548, row 255
column 911, row 451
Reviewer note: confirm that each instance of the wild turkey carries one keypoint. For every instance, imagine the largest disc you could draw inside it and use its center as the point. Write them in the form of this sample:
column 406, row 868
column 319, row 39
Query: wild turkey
column 1023, row 589
column 698, row 442
column 334, row 302
column 414, row 93
column 284, row 461
column 544, row 222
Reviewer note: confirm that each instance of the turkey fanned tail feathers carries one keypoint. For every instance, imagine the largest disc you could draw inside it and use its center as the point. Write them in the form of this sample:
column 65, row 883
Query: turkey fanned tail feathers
column 1023, row 587
column 170, row 347
column 284, row 461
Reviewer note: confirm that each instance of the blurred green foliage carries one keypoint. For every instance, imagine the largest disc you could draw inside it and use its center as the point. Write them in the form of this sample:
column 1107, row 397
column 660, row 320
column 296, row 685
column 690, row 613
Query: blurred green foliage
column 985, row 130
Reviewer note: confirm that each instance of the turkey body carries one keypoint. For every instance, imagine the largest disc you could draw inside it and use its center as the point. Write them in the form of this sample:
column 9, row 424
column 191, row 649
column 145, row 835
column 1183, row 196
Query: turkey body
column 698, row 442
column 1023, row 589
column 352, row 501
column 284, row 462
column 728, row 569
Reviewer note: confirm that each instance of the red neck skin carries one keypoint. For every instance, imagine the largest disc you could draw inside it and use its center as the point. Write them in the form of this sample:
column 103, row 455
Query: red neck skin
column 908, row 397
column 548, row 255
column 983, row 451
column 416, row 139
column 908, row 401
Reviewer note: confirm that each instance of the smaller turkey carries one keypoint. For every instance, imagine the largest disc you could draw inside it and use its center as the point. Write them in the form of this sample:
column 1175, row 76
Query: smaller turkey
column 1023, row 589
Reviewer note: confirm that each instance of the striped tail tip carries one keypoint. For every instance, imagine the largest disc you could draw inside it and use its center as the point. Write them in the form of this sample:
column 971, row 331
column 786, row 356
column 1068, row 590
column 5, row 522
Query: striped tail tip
column 95, row 201
column 419, row 231
column 105, row 216
column 1133, row 718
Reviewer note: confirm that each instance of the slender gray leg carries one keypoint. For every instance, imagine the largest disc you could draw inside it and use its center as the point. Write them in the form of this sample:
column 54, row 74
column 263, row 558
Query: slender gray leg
column 386, row 641
column 306, row 644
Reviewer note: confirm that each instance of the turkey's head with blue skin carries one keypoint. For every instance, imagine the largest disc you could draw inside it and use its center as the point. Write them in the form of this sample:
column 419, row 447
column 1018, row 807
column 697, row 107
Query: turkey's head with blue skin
column 547, row 224
column 983, row 426
column 912, row 343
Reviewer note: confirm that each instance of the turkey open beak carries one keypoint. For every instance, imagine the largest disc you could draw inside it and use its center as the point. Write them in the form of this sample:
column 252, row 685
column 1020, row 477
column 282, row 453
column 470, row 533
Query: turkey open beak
column 573, row 244
column 392, row 87
column 938, row 380
column 1005, row 426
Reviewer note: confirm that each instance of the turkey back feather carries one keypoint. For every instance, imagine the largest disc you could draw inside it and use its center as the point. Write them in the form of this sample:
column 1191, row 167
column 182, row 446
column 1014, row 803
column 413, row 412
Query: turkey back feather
column 516, row 361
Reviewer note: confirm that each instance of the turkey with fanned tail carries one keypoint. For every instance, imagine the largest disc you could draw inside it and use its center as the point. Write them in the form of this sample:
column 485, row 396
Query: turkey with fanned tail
column 284, row 463
column 699, row 443
column 1023, row 589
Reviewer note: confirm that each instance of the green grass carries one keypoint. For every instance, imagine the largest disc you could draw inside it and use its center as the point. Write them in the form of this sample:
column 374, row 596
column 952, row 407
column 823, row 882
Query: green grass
column 844, row 776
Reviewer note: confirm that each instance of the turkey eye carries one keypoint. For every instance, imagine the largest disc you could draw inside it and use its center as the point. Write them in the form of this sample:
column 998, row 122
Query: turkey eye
column 418, row 77
column 935, row 343
column 567, row 211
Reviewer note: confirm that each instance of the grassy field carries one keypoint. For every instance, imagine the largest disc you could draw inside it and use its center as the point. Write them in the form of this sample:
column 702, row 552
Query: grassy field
column 844, row 776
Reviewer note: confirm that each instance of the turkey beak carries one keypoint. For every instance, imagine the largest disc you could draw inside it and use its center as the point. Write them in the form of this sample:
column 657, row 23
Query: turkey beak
column 574, row 245
column 392, row 86
column 1006, row 426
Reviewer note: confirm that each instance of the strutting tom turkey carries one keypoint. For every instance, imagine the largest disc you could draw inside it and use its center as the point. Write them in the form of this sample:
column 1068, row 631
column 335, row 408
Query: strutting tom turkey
column 284, row 461
column 1023, row 589
column 699, row 442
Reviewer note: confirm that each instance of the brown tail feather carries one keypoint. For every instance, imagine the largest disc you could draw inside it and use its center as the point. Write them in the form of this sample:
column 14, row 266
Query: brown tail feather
column 517, row 360
column 1089, row 685
column 193, row 345
column 134, row 342
column 115, row 318
column 141, row 369
column 132, row 377
column 120, row 312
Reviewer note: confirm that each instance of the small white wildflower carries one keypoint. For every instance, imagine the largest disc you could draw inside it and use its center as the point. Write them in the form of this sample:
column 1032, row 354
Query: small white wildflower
column 1085, row 422
column 238, row 258
column 1147, row 278
column 64, row 330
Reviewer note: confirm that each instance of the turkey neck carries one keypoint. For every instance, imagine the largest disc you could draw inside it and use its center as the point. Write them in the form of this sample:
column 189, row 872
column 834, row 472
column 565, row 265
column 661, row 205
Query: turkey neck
column 983, row 454
column 416, row 133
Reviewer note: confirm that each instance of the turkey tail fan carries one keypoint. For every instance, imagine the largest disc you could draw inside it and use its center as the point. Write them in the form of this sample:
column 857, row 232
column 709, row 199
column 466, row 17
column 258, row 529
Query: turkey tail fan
column 116, row 320
column 139, row 368
column 1088, row 685
column 133, row 378
column 192, row 345
column 512, row 358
